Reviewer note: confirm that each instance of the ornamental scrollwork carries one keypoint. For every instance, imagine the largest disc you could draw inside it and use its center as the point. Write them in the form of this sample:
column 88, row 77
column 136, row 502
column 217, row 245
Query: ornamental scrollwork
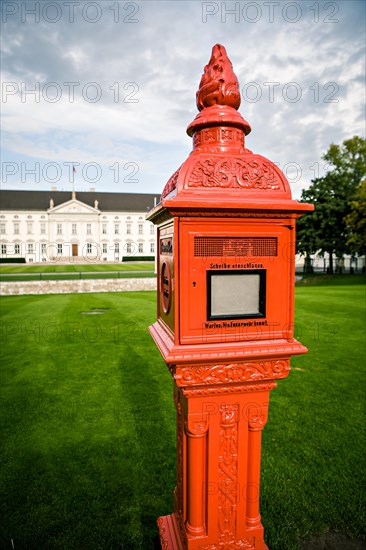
column 227, row 389
column 224, row 135
column 197, row 424
column 242, row 544
column 233, row 373
column 228, row 474
column 171, row 184
column 163, row 535
column 234, row 173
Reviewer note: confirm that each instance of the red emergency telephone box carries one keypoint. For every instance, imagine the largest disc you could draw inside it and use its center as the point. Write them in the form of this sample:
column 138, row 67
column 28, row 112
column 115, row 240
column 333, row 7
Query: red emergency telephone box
column 226, row 274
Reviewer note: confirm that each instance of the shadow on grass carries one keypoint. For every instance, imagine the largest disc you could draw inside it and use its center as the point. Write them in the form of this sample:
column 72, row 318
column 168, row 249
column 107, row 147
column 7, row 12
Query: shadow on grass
column 154, row 427
column 316, row 279
column 87, row 493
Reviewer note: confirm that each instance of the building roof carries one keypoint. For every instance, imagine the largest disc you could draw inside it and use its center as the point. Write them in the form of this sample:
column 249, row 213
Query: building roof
column 40, row 200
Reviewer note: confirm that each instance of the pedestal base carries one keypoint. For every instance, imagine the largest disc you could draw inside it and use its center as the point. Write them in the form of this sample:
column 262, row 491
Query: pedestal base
column 170, row 539
column 216, row 500
column 221, row 411
column 169, row 533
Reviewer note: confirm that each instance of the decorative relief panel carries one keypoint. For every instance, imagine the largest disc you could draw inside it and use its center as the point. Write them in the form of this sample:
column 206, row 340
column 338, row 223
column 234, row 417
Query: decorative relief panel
column 228, row 482
column 228, row 474
column 226, row 389
column 223, row 135
column 233, row 373
column 224, row 172
column 243, row 544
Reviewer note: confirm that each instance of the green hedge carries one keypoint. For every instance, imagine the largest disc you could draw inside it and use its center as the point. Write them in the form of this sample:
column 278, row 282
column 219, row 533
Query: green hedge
column 138, row 258
column 12, row 260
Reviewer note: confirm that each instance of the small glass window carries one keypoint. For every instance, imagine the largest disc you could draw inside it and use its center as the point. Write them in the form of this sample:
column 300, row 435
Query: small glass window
column 236, row 294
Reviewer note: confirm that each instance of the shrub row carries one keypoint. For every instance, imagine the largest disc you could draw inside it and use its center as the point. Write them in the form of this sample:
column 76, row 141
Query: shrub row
column 12, row 260
column 138, row 258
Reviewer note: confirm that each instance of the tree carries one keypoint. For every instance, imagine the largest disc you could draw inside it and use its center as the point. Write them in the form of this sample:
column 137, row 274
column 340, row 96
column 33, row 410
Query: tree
column 356, row 222
column 307, row 241
column 326, row 229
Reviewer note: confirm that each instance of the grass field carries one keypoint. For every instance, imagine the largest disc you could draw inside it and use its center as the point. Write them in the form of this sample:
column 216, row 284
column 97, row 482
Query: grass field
column 88, row 423
column 72, row 268
column 48, row 272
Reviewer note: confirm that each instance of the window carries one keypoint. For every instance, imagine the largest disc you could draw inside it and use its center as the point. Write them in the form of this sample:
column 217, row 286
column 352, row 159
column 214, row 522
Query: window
column 128, row 248
column 2, row 228
column 89, row 248
column 152, row 248
column 236, row 294
column 116, row 248
column 59, row 248
column 43, row 249
column 141, row 228
column 88, row 228
column 16, row 228
column 151, row 229
column 104, row 248
column 30, row 248
column 43, row 228
column 141, row 247
column 128, row 229
column 59, row 229
column 104, row 228
column 116, row 228
column 16, row 249
column 29, row 227
column 3, row 249
column 73, row 229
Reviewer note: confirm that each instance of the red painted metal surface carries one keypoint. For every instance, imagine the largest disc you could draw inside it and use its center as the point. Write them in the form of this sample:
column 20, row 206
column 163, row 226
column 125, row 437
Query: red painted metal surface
column 226, row 242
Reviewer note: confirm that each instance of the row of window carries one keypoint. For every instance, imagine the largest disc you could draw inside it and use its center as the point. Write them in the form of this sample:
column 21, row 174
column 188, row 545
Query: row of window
column 16, row 217
column 128, row 229
column 15, row 249
column 16, row 228
column 59, row 228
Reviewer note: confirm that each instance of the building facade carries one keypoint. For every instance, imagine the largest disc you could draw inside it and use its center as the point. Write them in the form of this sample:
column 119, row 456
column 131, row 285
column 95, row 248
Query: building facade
column 51, row 226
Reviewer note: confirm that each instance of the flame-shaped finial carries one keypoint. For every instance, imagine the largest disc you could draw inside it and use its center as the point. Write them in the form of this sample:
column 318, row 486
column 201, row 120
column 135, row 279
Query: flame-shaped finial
column 219, row 85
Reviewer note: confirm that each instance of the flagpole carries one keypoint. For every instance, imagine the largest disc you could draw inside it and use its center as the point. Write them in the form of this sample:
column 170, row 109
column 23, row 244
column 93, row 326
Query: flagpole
column 73, row 180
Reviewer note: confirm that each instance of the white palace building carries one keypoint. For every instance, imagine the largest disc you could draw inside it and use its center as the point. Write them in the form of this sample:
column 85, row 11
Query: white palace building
column 88, row 226
column 51, row 226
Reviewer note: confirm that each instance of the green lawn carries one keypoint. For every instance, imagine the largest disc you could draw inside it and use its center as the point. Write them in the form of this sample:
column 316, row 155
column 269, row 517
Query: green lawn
column 71, row 268
column 88, row 423
column 48, row 272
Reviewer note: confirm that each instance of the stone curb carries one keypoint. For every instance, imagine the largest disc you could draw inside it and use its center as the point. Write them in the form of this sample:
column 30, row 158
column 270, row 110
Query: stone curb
column 18, row 288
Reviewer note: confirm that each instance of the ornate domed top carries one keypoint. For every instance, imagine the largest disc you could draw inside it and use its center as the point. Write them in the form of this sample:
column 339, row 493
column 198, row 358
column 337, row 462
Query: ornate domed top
column 221, row 174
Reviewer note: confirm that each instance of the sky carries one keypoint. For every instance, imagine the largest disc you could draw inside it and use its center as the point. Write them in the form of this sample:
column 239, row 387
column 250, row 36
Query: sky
column 109, row 87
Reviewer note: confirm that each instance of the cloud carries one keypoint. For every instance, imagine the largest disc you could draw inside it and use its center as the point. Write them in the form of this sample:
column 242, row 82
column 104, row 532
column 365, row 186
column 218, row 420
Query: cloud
column 142, row 62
